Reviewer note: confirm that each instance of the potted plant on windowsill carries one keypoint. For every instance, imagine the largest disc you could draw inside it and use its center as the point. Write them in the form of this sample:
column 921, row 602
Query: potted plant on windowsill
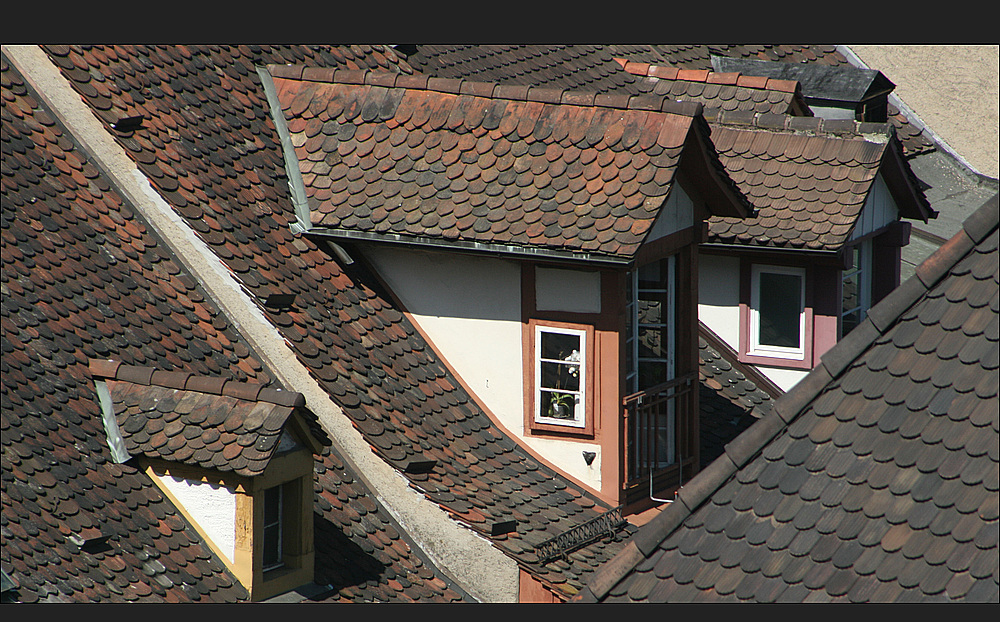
column 561, row 405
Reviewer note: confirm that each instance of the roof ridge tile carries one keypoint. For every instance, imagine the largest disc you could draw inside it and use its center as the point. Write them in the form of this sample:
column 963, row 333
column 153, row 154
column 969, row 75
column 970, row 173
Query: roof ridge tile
column 110, row 369
column 797, row 124
column 541, row 94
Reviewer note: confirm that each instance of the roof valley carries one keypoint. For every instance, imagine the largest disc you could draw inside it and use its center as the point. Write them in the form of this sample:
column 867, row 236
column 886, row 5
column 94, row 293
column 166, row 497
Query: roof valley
column 431, row 527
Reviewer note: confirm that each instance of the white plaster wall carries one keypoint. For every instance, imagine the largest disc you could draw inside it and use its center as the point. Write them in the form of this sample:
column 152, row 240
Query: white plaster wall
column 784, row 378
column 719, row 296
column 578, row 291
column 212, row 506
column 880, row 210
column 470, row 309
column 676, row 215
column 719, row 309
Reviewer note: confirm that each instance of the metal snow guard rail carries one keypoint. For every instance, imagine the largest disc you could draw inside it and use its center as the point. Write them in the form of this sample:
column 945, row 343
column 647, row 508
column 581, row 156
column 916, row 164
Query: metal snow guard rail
column 604, row 525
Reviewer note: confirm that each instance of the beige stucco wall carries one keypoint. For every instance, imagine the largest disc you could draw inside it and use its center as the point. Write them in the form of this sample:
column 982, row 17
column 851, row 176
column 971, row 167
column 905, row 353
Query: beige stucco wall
column 952, row 88
column 469, row 308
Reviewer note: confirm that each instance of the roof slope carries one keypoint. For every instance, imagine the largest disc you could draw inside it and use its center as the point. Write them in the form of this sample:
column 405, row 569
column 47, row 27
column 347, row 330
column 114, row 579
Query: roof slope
column 725, row 91
column 576, row 67
column 201, row 421
column 211, row 150
column 591, row 67
column 874, row 480
column 85, row 278
column 910, row 136
column 808, row 178
column 465, row 162
column 824, row 82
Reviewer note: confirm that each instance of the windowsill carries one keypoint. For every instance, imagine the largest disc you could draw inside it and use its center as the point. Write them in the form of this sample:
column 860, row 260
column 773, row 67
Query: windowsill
column 773, row 361
column 554, row 429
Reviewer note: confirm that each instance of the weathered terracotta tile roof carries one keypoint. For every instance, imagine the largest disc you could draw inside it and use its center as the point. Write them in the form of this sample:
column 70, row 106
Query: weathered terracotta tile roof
column 592, row 67
column 910, row 136
column 807, row 177
column 574, row 67
column 725, row 91
column 220, row 165
column 466, row 162
column 204, row 421
column 875, row 479
column 83, row 278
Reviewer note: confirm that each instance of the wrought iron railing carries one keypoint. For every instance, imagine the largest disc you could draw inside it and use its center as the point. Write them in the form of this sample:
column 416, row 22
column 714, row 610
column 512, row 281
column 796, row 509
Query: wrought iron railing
column 605, row 525
column 656, row 424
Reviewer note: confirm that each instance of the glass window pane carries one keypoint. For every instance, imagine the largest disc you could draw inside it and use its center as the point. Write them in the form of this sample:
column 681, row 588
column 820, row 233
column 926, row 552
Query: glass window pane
column 560, row 346
column 652, row 373
column 272, row 505
column 651, row 309
column 850, row 293
column 272, row 545
column 650, row 275
column 560, row 376
column 559, row 405
column 652, row 343
column 780, row 305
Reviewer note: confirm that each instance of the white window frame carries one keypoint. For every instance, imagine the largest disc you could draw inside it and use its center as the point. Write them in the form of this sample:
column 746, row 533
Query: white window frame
column 580, row 412
column 755, row 347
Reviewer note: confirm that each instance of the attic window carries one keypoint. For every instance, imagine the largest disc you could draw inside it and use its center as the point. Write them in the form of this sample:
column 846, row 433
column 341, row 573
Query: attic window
column 560, row 375
column 273, row 514
column 856, row 287
column 777, row 312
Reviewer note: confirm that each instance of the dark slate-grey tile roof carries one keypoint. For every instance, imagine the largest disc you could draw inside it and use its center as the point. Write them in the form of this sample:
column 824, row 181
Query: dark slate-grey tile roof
column 875, row 479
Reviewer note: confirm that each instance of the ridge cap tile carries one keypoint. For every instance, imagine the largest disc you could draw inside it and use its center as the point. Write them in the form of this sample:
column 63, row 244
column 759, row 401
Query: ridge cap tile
column 941, row 261
column 895, row 303
column 104, row 368
column 170, row 379
column 984, row 220
column 211, row 385
column 613, row 570
column 289, row 70
column 281, row 397
column 242, row 390
column 134, row 374
column 350, row 76
column 317, row 74
column 706, row 482
column 749, row 442
column 723, row 78
column 794, row 401
column 842, row 354
column 650, row 535
column 663, row 72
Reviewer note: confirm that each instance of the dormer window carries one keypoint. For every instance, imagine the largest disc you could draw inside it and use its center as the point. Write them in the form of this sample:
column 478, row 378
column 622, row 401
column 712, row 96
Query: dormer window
column 561, row 377
column 235, row 459
column 777, row 312
column 856, row 287
column 272, row 528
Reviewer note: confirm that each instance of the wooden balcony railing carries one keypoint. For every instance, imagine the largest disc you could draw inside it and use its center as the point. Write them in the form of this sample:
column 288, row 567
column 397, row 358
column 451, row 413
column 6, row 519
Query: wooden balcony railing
column 657, row 428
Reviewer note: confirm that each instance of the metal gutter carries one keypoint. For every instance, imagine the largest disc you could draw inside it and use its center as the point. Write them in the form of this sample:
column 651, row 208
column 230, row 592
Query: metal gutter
column 761, row 250
column 470, row 247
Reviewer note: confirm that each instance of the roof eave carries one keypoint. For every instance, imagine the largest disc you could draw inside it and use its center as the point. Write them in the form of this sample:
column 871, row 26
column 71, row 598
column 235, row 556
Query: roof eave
column 469, row 246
